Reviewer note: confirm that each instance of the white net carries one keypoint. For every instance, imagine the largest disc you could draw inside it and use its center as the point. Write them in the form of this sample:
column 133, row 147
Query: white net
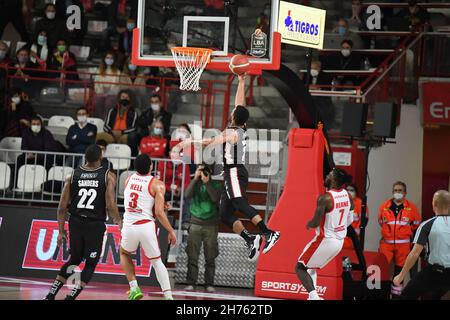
column 190, row 63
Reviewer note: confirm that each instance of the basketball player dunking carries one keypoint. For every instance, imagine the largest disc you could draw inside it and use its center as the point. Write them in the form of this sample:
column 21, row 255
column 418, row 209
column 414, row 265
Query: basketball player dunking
column 90, row 192
column 144, row 202
column 234, row 198
column 332, row 217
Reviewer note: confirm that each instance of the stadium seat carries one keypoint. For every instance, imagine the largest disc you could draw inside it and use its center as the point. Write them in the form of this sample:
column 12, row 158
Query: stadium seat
column 81, row 52
column 30, row 178
column 10, row 143
column 55, row 180
column 96, row 27
column 5, row 176
column 122, row 178
column 99, row 123
column 114, row 151
column 61, row 121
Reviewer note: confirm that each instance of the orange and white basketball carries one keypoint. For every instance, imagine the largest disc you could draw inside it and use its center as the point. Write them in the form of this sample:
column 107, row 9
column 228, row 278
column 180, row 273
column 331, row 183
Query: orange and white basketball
column 239, row 64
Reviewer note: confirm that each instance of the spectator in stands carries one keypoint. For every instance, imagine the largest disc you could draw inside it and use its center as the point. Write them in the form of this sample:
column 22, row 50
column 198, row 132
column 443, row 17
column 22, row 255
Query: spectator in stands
column 347, row 60
column 155, row 145
column 317, row 77
column 159, row 113
column 134, row 77
column 19, row 115
column 52, row 24
column 39, row 51
column 120, row 121
column 37, row 138
column 115, row 49
column 63, row 60
column 416, row 15
column 344, row 31
column 22, row 71
column 4, row 50
column 204, row 195
column 357, row 222
column 80, row 136
column 356, row 21
column 182, row 133
column 13, row 11
column 126, row 37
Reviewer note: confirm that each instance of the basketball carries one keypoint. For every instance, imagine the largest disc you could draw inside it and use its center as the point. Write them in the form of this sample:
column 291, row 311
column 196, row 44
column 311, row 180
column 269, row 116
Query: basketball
column 239, row 64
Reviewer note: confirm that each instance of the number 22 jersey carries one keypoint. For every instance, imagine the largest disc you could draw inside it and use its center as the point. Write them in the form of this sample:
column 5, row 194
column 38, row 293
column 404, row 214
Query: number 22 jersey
column 138, row 199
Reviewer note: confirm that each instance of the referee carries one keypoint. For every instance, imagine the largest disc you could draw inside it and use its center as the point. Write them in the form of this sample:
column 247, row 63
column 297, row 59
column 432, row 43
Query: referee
column 434, row 279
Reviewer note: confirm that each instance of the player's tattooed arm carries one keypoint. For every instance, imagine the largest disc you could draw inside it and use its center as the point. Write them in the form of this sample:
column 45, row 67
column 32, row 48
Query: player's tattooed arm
column 62, row 210
column 111, row 200
column 324, row 204
column 158, row 189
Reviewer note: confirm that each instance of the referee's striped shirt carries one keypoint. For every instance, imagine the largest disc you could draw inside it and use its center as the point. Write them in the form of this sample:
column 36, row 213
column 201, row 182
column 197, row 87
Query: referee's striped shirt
column 435, row 235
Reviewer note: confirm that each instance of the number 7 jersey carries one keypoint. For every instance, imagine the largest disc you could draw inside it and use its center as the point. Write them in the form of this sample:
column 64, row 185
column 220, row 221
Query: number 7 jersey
column 335, row 221
column 138, row 199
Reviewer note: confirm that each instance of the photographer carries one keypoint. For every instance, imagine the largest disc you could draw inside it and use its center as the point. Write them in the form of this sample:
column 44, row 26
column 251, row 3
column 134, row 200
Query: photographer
column 204, row 195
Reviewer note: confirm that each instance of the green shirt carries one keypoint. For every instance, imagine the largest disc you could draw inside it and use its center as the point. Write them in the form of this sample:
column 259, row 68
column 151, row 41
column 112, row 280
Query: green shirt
column 202, row 207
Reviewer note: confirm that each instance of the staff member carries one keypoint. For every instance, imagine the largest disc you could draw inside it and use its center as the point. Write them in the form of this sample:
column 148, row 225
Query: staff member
column 435, row 234
column 398, row 218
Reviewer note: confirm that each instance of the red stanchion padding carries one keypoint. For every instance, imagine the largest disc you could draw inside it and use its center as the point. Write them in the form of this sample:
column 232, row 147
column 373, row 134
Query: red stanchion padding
column 275, row 275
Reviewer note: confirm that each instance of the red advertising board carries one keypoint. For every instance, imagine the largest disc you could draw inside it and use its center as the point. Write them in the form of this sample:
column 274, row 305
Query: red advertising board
column 42, row 252
column 436, row 103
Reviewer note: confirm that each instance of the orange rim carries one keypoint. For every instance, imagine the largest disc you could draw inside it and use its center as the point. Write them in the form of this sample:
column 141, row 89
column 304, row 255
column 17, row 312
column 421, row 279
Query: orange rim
column 196, row 53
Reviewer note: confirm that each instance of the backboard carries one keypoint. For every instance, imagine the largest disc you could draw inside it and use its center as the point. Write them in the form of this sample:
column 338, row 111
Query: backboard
column 226, row 27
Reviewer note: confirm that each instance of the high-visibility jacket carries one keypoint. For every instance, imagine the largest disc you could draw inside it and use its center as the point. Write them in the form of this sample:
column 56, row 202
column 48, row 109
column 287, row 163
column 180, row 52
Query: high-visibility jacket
column 397, row 230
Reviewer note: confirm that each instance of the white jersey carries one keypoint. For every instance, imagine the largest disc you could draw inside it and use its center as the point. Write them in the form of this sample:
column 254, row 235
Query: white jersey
column 138, row 200
column 335, row 222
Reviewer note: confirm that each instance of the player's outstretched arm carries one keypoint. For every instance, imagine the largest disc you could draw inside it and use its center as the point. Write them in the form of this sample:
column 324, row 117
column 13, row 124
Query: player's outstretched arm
column 62, row 210
column 240, row 92
column 111, row 200
column 158, row 189
column 324, row 204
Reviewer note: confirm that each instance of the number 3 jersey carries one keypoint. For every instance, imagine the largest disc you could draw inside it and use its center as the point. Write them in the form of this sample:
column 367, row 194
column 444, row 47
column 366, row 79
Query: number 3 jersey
column 138, row 199
column 87, row 193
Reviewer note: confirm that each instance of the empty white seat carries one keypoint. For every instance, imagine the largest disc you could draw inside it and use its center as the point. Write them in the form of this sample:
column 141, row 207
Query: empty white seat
column 59, row 173
column 115, row 151
column 61, row 121
column 10, row 143
column 122, row 178
column 30, row 178
column 5, row 176
column 99, row 123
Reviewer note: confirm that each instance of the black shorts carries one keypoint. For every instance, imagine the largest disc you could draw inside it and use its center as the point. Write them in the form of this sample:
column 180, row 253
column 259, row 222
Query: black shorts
column 235, row 181
column 86, row 237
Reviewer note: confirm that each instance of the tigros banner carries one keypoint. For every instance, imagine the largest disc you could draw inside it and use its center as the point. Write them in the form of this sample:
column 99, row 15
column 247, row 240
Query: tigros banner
column 301, row 25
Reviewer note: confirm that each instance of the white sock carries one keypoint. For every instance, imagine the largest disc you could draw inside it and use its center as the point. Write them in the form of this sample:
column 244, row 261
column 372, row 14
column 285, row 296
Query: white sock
column 313, row 295
column 168, row 294
column 133, row 284
column 161, row 274
column 313, row 274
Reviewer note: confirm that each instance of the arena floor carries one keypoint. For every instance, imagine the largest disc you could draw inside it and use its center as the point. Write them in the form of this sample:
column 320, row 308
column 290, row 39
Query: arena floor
column 36, row 289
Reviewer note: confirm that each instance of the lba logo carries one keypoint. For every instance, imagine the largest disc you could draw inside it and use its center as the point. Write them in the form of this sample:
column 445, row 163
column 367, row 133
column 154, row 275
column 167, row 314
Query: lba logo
column 287, row 287
column 43, row 253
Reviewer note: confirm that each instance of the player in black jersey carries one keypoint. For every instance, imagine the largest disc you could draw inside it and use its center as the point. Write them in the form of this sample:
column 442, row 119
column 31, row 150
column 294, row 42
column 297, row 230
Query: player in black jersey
column 234, row 198
column 88, row 193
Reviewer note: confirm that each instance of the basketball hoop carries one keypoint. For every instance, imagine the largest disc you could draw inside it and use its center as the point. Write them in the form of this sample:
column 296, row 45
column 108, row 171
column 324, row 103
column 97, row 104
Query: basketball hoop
column 190, row 63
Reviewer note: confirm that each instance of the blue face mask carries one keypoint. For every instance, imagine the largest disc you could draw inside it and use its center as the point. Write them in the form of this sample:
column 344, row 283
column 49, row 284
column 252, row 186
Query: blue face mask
column 157, row 131
column 342, row 31
column 22, row 60
column 130, row 26
column 109, row 62
column 41, row 40
column 2, row 54
column 132, row 67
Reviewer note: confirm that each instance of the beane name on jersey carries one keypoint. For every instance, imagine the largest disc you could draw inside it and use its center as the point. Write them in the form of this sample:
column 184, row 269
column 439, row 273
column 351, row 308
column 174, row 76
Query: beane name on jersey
column 342, row 204
column 88, row 183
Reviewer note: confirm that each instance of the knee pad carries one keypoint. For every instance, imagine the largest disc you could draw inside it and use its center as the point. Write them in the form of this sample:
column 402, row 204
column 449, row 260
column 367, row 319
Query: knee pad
column 89, row 268
column 241, row 204
column 71, row 262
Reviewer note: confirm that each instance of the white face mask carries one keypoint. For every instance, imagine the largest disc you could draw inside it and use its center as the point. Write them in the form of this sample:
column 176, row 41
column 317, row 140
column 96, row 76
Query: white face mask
column 345, row 52
column 109, row 62
column 15, row 100
column 314, row 72
column 157, row 131
column 398, row 196
column 51, row 15
column 36, row 128
column 155, row 106
column 82, row 119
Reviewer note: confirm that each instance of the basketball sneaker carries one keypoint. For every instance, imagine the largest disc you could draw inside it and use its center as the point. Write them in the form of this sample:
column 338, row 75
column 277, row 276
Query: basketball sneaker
column 271, row 240
column 135, row 294
column 253, row 247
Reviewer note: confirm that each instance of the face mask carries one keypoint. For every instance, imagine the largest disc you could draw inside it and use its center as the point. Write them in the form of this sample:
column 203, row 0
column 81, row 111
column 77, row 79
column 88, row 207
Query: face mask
column 61, row 48
column 345, row 52
column 155, row 106
column 157, row 131
column 352, row 194
column 130, row 26
column 2, row 54
column 314, row 72
column 132, row 67
column 82, row 119
column 267, row 12
column 36, row 128
column 42, row 40
column 50, row 15
column 398, row 196
column 15, row 100
column 22, row 60
column 342, row 31
column 109, row 62
column 124, row 102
